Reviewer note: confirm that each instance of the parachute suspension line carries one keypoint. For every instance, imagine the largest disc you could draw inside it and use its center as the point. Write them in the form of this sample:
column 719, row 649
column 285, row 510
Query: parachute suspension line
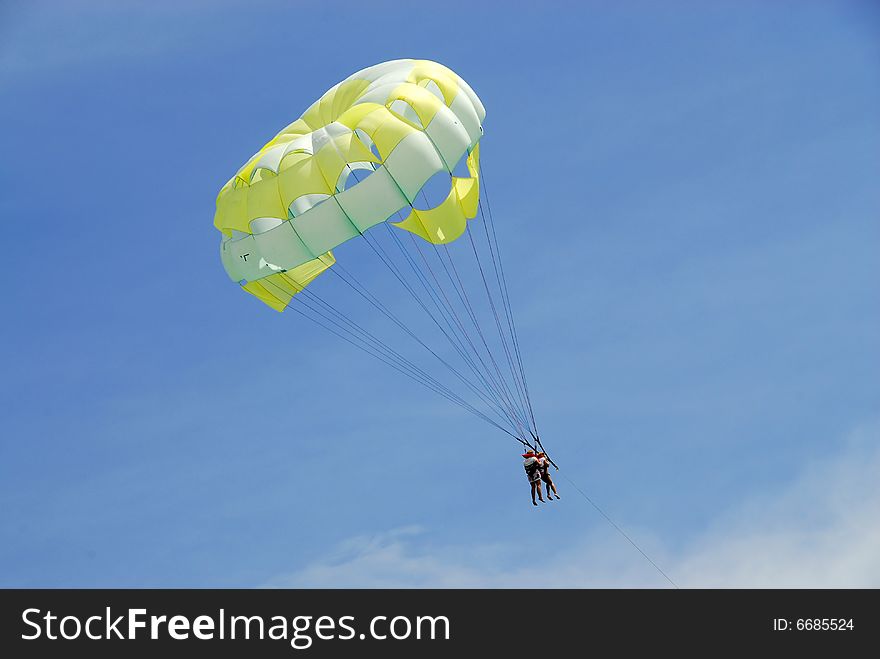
column 386, row 355
column 461, row 292
column 499, row 272
column 378, row 356
column 499, row 383
column 447, row 312
column 369, row 338
column 361, row 290
column 499, row 327
column 446, row 315
column 383, row 256
column 365, row 346
column 364, row 336
column 458, row 345
column 519, row 392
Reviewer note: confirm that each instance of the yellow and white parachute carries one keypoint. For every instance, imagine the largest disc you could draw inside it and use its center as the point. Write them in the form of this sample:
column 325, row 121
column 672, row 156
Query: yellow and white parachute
column 296, row 199
column 404, row 123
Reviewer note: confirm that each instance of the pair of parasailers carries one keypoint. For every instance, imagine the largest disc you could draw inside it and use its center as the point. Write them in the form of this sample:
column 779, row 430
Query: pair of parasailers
column 537, row 466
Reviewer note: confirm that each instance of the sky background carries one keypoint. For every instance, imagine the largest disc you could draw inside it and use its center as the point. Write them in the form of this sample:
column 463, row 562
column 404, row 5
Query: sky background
column 687, row 202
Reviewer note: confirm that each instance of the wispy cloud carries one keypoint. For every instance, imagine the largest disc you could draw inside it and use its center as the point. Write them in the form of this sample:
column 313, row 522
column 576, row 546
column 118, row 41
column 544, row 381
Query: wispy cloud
column 820, row 530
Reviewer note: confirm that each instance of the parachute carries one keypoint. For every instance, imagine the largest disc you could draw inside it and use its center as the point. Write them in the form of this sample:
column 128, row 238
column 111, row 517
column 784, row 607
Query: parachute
column 357, row 161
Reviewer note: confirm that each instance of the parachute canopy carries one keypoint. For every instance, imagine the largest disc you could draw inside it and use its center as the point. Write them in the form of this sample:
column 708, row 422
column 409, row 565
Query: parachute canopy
column 358, row 157
column 297, row 198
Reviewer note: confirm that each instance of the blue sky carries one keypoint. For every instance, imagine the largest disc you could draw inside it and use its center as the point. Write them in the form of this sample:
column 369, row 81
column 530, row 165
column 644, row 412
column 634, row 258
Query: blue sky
column 687, row 201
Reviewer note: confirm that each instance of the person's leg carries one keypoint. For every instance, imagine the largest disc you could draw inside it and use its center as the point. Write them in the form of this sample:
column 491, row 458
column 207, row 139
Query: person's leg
column 540, row 493
column 534, row 503
column 546, row 484
column 551, row 484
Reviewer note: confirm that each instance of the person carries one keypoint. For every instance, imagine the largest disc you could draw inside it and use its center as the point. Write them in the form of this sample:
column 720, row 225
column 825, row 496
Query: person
column 533, row 473
column 544, row 469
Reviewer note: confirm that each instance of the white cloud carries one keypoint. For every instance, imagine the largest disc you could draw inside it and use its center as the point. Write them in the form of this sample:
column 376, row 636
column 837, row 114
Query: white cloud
column 821, row 530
